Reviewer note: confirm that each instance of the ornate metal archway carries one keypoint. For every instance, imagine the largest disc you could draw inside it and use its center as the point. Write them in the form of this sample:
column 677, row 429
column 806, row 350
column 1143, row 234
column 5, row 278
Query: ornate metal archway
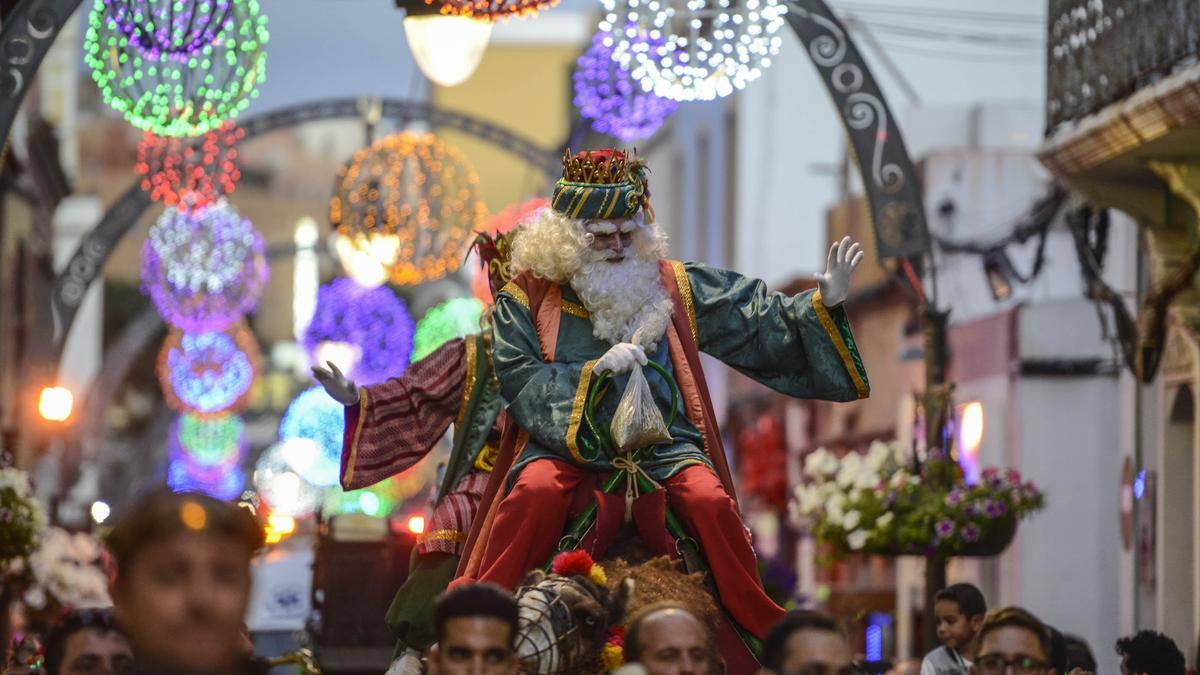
column 88, row 260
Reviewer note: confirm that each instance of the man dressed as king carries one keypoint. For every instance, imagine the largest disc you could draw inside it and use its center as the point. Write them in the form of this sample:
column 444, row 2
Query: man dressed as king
column 592, row 293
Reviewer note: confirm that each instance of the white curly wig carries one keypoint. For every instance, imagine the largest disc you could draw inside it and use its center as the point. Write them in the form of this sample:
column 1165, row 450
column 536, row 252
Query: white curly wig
column 627, row 300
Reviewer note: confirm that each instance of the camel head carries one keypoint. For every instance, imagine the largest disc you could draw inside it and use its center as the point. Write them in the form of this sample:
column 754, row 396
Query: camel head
column 564, row 620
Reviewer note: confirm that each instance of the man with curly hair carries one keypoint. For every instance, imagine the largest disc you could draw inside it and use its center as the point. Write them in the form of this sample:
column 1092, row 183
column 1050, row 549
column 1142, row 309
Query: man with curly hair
column 592, row 293
column 1150, row 653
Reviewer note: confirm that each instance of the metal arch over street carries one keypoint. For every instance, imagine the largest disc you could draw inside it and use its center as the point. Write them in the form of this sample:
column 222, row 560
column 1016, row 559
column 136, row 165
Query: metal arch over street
column 89, row 258
column 892, row 186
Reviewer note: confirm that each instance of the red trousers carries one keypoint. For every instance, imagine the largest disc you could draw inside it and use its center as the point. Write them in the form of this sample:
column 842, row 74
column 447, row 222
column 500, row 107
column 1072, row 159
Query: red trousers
column 532, row 517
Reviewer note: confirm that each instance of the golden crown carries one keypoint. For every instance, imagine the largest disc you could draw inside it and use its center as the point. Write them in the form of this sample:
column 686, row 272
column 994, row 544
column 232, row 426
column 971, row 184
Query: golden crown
column 597, row 167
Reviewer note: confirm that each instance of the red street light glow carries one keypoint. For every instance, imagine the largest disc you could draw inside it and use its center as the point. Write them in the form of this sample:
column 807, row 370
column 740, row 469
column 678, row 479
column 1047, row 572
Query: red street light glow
column 416, row 524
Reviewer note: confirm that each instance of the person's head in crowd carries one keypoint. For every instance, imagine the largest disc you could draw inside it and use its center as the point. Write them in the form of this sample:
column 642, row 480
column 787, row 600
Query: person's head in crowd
column 183, row 581
column 1150, row 653
column 805, row 641
column 959, row 610
column 1058, row 650
column 667, row 639
column 1012, row 638
column 87, row 642
column 475, row 630
column 1079, row 654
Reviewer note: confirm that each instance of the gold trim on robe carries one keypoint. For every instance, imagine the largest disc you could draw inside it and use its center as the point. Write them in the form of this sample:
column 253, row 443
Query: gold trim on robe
column 835, row 336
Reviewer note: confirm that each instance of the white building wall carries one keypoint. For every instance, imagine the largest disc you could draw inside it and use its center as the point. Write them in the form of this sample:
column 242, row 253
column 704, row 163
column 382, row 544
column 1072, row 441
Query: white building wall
column 1066, row 566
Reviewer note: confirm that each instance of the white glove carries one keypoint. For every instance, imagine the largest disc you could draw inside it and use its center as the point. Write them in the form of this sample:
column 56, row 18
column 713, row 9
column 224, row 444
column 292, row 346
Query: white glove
column 834, row 284
column 620, row 358
column 338, row 386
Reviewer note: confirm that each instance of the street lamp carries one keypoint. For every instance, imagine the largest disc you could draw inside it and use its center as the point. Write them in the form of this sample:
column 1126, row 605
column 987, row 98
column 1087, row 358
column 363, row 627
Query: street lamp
column 55, row 404
column 447, row 48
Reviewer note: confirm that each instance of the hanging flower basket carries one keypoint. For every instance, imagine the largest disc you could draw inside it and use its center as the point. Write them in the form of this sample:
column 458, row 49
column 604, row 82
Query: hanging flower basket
column 882, row 503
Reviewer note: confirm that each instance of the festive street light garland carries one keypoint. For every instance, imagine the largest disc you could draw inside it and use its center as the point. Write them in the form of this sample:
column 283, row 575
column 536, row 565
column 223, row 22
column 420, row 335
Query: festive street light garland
column 177, row 28
column 208, row 373
column 374, row 320
column 454, row 318
column 417, row 188
column 492, row 10
column 179, row 93
column 689, row 50
column 609, row 96
column 208, row 441
column 190, row 175
column 204, row 270
column 319, row 418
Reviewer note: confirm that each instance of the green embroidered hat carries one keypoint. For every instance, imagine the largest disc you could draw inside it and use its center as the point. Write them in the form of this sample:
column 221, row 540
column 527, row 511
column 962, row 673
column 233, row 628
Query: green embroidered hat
column 602, row 184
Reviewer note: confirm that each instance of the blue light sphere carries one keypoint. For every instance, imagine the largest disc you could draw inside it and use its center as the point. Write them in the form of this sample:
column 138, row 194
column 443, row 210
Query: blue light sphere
column 317, row 417
column 208, row 373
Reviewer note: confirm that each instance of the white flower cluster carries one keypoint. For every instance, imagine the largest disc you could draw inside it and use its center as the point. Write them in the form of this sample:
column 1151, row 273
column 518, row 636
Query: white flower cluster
column 65, row 570
column 834, row 485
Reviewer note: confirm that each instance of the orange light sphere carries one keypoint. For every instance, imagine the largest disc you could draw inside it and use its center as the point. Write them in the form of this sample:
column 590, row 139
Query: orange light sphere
column 417, row 191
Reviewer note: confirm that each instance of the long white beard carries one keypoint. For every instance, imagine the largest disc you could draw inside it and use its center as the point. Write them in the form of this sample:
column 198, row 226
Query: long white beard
column 625, row 299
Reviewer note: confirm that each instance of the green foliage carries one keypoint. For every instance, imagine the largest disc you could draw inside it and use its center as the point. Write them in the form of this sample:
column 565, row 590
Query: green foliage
column 22, row 520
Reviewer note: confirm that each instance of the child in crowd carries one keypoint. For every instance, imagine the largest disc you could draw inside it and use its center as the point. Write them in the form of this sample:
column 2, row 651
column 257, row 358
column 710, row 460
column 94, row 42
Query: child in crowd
column 959, row 609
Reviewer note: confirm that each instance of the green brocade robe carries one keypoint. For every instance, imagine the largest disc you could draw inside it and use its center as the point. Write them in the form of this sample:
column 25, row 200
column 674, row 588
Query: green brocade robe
column 794, row 345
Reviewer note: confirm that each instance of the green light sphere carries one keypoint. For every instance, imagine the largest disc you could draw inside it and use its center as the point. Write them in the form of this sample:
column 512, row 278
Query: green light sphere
column 179, row 95
column 454, row 318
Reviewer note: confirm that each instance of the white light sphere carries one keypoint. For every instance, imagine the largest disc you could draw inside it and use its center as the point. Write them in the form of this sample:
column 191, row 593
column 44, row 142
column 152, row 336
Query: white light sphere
column 694, row 50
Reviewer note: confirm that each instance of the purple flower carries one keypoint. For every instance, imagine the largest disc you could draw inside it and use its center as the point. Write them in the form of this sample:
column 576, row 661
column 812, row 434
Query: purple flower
column 944, row 528
column 955, row 497
column 972, row 510
column 995, row 508
column 970, row 533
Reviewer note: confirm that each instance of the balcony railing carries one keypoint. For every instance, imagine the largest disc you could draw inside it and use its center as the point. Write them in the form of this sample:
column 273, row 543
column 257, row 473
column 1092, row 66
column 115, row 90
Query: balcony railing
column 1101, row 51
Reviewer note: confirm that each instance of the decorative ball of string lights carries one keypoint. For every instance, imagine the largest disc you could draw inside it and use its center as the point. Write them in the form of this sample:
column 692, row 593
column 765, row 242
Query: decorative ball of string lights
column 454, row 318
column 609, row 96
column 373, row 320
column 172, row 79
column 204, row 269
column 280, row 485
column 417, row 189
column 208, row 373
column 170, row 27
column 491, row 10
column 315, row 416
column 689, row 50
column 219, row 440
column 190, row 175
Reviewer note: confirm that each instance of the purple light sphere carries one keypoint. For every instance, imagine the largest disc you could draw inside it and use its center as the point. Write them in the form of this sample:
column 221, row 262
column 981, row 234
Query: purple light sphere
column 374, row 320
column 173, row 28
column 204, row 270
column 607, row 94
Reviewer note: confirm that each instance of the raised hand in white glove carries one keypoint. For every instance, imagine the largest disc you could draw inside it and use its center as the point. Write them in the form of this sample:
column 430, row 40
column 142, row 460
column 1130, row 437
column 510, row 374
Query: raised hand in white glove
column 834, row 284
column 620, row 358
column 341, row 388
